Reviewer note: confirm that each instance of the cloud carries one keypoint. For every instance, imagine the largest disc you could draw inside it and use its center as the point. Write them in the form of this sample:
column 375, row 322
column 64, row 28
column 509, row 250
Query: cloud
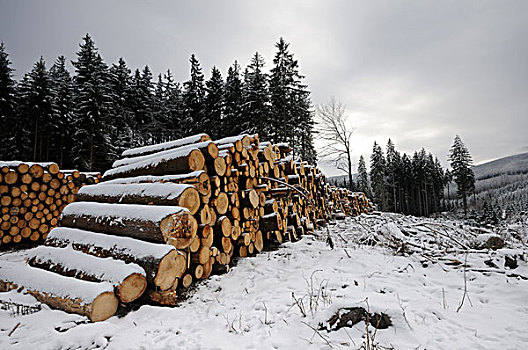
column 418, row 72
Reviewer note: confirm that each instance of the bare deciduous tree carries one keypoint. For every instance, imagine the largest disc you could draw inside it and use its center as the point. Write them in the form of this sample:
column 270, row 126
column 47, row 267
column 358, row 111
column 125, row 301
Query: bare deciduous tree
column 332, row 128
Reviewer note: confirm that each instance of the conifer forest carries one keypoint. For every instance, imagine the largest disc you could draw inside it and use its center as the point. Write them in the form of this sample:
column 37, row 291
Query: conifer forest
column 85, row 120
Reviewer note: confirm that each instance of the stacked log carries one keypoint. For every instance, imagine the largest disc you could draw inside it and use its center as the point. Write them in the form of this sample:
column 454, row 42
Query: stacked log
column 79, row 178
column 32, row 196
column 184, row 209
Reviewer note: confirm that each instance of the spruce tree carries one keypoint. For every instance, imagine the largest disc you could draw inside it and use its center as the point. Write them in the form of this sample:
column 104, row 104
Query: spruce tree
column 160, row 112
column 91, row 149
column 256, row 98
column 121, row 114
column 214, row 104
column 8, row 118
column 393, row 162
column 35, row 101
column 174, row 107
column 63, row 112
column 193, row 97
column 377, row 176
column 292, row 117
column 233, row 121
column 363, row 179
column 461, row 161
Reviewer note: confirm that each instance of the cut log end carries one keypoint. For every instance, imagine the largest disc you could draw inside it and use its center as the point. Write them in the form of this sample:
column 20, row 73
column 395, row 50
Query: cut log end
column 196, row 160
column 167, row 270
column 179, row 229
column 103, row 307
column 190, row 199
column 132, row 288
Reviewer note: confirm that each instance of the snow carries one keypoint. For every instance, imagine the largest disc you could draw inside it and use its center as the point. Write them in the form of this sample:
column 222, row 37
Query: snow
column 152, row 178
column 163, row 146
column 153, row 160
column 124, row 246
column 183, row 148
column 167, row 191
column 15, row 163
column 104, row 269
column 44, row 281
column 252, row 306
column 154, row 213
column 231, row 139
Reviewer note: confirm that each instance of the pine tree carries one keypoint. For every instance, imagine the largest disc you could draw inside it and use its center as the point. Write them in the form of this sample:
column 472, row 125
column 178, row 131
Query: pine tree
column 461, row 161
column 292, row 117
column 91, row 149
column 121, row 114
column 35, row 100
column 393, row 162
column 174, row 106
column 233, row 121
column 363, row 179
column 63, row 113
column 377, row 176
column 193, row 97
column 160, row 112
column 256, row 98
column 214, row 104
column 8, row 118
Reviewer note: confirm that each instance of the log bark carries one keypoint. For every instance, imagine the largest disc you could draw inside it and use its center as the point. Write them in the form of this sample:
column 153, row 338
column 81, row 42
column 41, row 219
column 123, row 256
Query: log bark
column 161, row 224
column 180, row 161
column 199, row 179
column 180, row 195
column 129, row 280
column 94, row 300
column 162, row 263
column 141, row 151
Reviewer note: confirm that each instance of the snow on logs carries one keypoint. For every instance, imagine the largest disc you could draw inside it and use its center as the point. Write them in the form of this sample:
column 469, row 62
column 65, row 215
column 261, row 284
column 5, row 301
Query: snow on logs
column 180, row 160
column 96, row 300
column 141, row 151
column 181, row 195
column 162, row 224
column 162, row 263
column 129, row 280
column 198, row 179
column 212, row 200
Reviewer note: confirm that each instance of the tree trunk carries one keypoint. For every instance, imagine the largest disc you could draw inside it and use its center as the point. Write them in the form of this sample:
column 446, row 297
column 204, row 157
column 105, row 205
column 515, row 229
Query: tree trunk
column 180, row 195
column 162, row 263
column 129, row 280
column 94, row 300
column 161, row 224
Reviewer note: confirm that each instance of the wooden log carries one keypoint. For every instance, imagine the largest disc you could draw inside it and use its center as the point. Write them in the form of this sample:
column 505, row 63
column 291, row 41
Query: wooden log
column 180, row 195
column 223, row 226
column 250, row 198
column 161, row 224
column 270, row 222
column 179, row 161
column 162, row 263
column 129, row 280
column 141, row 151
column 94, row 300
column 221, row 203
column 206, row 236
column 199, row 179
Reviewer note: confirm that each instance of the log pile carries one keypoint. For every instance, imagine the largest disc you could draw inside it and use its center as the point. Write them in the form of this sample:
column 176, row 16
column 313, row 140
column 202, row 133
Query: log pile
column 184, row 209
column 32, row 197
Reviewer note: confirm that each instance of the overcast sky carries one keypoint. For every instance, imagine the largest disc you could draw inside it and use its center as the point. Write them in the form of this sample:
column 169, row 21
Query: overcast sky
column 419, row 72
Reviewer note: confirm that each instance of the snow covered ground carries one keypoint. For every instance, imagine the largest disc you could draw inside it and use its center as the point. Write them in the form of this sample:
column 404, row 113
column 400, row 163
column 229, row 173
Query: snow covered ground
column 417, row 273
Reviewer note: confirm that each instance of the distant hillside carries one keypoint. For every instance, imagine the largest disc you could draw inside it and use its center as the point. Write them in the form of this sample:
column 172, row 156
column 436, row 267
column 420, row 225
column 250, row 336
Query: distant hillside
column 512, row 165
column 502, row 183
column 339, row 180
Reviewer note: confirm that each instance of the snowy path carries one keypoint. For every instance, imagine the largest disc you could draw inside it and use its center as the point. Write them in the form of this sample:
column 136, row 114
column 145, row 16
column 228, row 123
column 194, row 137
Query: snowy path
column 252, row 306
